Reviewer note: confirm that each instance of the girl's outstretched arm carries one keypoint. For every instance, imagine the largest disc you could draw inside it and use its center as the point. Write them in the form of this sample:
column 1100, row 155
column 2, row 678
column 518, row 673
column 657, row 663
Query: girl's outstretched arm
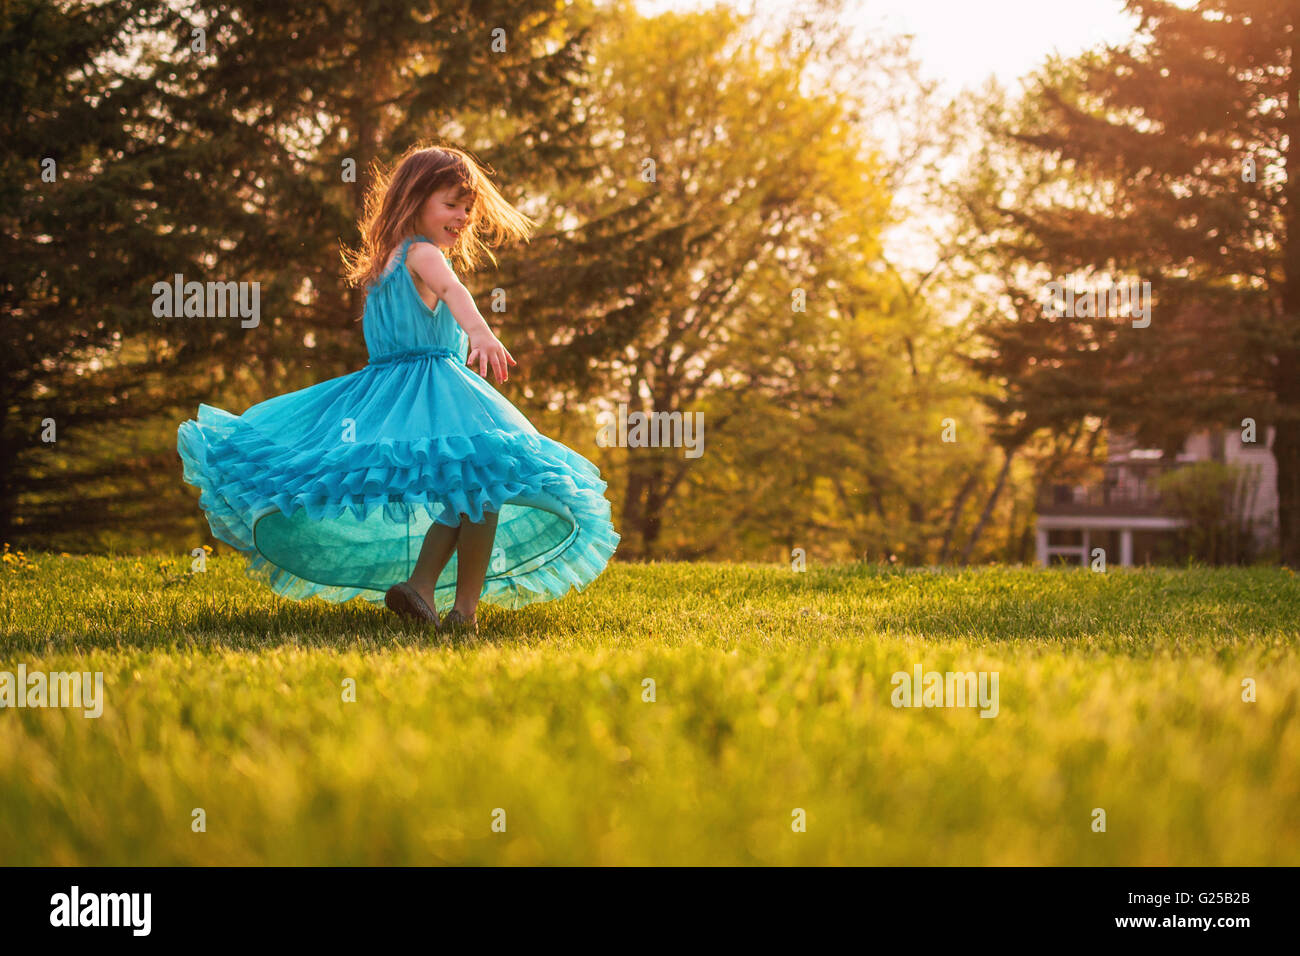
column 427, row 263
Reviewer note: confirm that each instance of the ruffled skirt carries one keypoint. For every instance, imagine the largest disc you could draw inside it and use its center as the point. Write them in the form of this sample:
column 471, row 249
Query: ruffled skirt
column 329, row 491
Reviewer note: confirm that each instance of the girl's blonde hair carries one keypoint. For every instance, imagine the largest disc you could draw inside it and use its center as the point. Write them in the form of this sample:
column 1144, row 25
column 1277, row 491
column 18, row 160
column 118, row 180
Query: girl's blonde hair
column 394, row 199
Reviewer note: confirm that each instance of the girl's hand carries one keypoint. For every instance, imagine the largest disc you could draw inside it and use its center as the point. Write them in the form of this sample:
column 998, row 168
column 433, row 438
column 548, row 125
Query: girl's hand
column 490, row 351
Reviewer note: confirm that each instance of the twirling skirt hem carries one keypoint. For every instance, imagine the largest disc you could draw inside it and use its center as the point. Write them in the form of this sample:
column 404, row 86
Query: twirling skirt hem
column 242, row 476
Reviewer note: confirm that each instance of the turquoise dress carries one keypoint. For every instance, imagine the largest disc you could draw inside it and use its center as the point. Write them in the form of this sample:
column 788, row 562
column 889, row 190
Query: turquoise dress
column 328, row 491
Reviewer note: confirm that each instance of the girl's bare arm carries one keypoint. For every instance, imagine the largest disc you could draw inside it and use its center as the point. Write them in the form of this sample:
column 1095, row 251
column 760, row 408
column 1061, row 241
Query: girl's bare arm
column 428, row 263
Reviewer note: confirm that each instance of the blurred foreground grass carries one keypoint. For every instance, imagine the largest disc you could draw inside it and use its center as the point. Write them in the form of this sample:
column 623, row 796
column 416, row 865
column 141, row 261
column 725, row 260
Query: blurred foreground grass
column 1120, row 691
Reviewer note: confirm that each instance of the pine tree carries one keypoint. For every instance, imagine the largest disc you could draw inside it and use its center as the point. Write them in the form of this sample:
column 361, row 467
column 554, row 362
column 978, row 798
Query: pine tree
column 1166, row 161
column 215, row 141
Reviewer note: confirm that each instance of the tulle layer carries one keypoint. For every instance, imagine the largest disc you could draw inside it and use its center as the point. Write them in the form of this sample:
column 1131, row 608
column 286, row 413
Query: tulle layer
column 348, row 520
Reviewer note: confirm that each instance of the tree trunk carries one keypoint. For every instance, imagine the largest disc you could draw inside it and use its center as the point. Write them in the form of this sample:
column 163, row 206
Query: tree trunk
column 652, row 514
column 1286, row 451
column 1012, row 553
column 632, row 508
column 988, row 507
column 1286, row 440
column 957, row 507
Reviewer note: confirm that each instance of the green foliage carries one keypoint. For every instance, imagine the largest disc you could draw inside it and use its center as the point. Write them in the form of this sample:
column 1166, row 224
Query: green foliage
column 1156, row 160
column 210, row 142
column 1207, row 495
column 1120, row 690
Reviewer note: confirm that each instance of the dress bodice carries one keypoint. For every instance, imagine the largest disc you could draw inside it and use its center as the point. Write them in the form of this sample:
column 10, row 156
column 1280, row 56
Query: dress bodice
column 398, row 323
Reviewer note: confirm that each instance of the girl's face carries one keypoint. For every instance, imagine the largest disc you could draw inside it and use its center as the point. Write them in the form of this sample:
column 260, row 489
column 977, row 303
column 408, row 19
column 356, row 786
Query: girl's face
column 443, row 215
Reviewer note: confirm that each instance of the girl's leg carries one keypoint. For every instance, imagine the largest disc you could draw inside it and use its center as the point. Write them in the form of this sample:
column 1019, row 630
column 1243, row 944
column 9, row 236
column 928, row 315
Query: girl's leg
column 473, row 554
column 435, row 552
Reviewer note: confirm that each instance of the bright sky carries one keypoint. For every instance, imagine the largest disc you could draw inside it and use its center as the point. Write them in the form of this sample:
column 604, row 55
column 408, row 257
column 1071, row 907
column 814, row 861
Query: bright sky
column 961, row 42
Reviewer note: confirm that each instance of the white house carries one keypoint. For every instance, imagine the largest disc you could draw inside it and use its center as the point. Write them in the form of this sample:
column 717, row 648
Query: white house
column 1124, row 514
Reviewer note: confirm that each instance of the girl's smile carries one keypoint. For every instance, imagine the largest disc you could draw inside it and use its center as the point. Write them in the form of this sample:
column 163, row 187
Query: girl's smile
column 444, row 215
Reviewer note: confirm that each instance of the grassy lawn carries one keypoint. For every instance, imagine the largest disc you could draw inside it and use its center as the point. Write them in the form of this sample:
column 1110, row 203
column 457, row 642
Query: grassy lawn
column 771, row 695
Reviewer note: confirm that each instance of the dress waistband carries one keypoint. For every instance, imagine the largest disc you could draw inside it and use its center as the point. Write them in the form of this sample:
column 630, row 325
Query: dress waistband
column 419, row 351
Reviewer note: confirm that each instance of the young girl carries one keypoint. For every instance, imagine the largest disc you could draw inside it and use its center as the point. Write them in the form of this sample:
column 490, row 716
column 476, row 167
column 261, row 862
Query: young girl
column 411, row 480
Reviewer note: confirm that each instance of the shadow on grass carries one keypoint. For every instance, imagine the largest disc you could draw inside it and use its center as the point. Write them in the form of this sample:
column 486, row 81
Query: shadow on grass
column 313, row 624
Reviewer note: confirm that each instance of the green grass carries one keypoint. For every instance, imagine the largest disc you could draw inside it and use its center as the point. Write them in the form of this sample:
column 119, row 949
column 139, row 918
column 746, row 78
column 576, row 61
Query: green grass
column 1119, row 690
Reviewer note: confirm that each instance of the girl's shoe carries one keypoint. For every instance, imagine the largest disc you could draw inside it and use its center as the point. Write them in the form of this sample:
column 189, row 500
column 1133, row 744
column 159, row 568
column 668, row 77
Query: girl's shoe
column 404, row 600
column 455, row 622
